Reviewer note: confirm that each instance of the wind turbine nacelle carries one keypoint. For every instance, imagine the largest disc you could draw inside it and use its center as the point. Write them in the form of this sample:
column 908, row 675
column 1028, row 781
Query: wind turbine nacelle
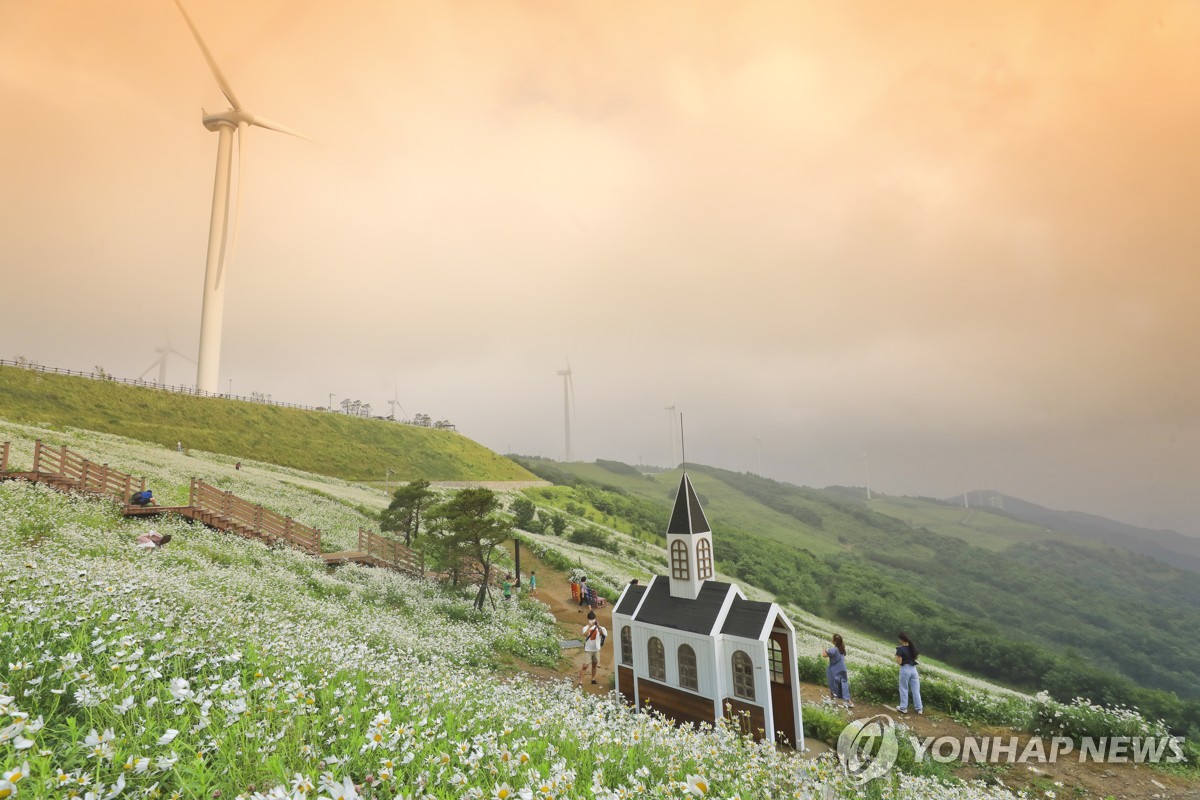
column 231, row 118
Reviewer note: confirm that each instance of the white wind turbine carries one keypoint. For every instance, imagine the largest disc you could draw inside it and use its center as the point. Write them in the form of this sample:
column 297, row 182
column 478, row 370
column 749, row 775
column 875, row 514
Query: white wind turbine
column 395, row 402
column 225, row 123
column 568, row 404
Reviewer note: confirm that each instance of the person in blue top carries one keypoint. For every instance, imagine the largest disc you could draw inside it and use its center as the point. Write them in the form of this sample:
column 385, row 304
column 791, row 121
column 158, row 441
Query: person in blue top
column 143, row 498
column 839, row 678
column 910, row 681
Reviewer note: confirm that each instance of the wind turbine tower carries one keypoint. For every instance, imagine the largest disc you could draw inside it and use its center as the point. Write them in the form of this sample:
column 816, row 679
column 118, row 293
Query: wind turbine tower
column 236, row 119
column 671, row 433
column 867, row 472
column 568, row 405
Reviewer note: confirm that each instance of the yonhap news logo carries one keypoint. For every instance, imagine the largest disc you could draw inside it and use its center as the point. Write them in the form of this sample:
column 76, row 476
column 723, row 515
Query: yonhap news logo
column 1036, row 750
column 867, row 748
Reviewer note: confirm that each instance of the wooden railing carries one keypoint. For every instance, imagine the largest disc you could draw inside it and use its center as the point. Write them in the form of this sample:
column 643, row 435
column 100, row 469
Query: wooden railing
column 82, row 474
column 251, row 518
column 391, row 552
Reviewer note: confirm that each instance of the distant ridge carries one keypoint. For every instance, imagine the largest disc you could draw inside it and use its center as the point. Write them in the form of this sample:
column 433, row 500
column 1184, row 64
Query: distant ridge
column 1169, row 547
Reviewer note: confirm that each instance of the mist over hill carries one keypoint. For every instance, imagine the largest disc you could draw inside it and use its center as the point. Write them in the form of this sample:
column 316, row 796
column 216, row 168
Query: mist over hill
column 1168, row 546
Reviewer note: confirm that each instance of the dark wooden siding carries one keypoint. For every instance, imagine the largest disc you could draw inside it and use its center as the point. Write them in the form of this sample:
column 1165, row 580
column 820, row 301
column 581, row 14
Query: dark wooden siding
column 752, row 718
column 781, row 694
column 677, row 704
column 625, row 683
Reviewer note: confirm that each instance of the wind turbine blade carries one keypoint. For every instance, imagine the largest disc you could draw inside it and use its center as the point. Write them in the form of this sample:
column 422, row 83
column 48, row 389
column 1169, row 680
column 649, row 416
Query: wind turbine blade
column 181, row 355
column 275, row 126
column 212, row 64
column 571, row 386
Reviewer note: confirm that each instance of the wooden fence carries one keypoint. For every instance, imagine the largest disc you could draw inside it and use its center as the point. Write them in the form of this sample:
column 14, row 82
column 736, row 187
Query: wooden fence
column 231, row 512
column 79, row 473
column 390, row 552
column 4, row 457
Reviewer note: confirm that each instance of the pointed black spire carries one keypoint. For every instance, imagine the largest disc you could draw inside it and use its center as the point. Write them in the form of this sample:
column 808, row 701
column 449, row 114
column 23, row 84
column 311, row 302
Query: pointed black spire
column 688, row 517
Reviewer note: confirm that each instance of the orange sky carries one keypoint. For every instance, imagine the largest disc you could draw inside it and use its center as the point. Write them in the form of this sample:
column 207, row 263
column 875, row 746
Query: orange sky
column 962, row 237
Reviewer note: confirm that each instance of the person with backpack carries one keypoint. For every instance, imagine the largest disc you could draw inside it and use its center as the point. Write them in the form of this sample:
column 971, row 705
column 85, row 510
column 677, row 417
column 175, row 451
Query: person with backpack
column 143, row 498
column 594, row 635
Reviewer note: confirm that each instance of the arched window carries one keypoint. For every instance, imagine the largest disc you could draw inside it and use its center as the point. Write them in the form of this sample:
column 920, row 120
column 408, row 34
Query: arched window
column 687, row 668
column 658, row 658
column 679, row 560
column 704, row 560
column 743, row 676
column 626, row 645
column 775, row 657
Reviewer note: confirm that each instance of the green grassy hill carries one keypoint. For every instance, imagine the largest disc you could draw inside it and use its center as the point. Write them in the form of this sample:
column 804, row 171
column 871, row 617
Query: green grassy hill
column 995, row 596
column 218, row 667
column 325, row 443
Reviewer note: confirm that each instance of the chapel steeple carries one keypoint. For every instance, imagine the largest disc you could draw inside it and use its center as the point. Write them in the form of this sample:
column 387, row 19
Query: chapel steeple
column 689, row 543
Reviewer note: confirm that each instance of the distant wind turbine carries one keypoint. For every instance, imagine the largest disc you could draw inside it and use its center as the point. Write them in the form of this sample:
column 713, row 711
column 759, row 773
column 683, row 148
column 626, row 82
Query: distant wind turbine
column 164, row 353
column 568, row 404
column 225, row 123
column 867, row 472
column 395, row 402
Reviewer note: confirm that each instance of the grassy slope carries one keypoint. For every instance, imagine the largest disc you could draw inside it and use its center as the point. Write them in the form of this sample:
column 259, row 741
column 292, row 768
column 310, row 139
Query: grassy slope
column 977, row 526
column 321, row 442
column 1064, row 592
column 258, row 668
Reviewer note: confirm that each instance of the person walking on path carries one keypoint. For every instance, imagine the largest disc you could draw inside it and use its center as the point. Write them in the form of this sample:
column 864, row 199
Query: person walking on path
column 835, row 673
column 583, row 591
column 594, row 635
column 910, row 681
column 532, row 583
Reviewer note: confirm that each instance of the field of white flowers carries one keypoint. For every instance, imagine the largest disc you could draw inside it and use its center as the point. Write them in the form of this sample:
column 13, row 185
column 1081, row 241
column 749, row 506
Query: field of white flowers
column 217, row 667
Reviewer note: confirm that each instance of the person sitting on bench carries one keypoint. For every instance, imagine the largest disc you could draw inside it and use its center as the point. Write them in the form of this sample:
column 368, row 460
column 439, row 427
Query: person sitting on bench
column 143, row 498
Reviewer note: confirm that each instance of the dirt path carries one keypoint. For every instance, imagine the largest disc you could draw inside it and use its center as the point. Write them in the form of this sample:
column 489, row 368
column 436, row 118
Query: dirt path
column 1066, row 779
column 554, row 591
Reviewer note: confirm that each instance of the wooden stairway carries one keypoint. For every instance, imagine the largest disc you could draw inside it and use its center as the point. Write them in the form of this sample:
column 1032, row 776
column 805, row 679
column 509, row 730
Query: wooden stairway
column 65, row 471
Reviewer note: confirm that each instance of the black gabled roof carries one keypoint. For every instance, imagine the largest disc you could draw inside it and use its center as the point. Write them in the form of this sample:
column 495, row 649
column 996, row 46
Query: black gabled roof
column 688, row 517
column 746, row 618
column 695, row 616
column 630, row 600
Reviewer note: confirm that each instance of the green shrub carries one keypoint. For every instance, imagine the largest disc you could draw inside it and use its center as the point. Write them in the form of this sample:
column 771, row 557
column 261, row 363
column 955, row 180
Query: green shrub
column 823, row 724
column 1082, row 719
column 812, row 669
